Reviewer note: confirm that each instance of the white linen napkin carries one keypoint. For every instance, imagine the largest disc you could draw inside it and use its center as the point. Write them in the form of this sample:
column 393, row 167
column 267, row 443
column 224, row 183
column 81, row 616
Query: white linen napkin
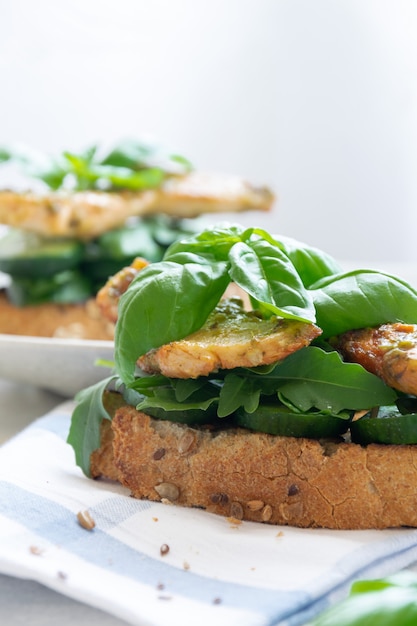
column 212, row 571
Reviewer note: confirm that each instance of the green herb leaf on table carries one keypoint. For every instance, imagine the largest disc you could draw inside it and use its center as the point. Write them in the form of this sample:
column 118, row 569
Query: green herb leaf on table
column 385, row 602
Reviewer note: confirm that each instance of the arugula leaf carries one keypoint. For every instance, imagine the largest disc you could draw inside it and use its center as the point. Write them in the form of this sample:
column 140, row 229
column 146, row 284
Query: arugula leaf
column 312, row 377
column 360, row 299
column 84, row 434
column 166, row 399
column 237, row 392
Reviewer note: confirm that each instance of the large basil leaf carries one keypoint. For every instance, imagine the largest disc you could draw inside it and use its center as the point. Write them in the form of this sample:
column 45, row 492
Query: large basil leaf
column 166, row 302
column 212, row 244
column 362, row 298
column 311, row 263
column 270, row 279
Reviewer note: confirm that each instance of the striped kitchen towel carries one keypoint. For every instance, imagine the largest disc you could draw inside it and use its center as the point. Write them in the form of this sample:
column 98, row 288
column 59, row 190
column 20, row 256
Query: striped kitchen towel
column 155, row 564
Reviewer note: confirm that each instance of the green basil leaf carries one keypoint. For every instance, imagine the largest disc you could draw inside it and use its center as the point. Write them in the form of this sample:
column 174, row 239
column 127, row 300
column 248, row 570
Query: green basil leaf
column 137, row 156
column 54, row 176
column 311, row 263
column 212, row 244
column 165, row 302
column 272, row 282
column 312, row 377
column 124, row 178
column 130, row 165
column 84, row 433
column 360, row 299
column 129, row 153
column 5, row 154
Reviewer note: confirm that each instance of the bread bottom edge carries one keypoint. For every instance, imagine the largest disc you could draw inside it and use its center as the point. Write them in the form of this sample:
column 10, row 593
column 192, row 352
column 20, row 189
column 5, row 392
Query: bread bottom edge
column 258, row 477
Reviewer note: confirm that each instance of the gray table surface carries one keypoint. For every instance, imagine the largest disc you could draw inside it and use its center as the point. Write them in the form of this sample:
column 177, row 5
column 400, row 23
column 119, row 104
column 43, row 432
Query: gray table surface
column 25, row 602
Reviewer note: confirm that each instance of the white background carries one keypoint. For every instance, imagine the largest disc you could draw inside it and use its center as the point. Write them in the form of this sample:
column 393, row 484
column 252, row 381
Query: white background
column 317, row 98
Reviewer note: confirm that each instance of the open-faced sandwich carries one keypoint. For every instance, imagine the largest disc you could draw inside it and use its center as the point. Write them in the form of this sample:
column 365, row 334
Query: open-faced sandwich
column 93, row 214
column 293, row 405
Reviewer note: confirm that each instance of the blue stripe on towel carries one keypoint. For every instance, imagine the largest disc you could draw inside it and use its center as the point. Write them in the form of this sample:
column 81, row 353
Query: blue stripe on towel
column 58, row 525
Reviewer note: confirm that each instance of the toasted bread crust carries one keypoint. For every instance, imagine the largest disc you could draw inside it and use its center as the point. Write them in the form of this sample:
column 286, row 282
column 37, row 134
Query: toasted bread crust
column 260, row 477
column 78, row 321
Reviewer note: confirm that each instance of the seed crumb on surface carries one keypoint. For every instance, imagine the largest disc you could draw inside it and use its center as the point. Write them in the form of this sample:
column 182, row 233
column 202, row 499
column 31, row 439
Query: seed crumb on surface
column 86, row 520
column 186, row 565
column 36, row 550
column 164, row 549
column 280, row 533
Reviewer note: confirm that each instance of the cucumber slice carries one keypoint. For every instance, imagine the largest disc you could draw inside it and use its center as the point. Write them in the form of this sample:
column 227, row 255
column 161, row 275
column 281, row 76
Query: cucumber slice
column 66, row 287
column 116, row 249
column 128, row 242
column 24, row 254
column 189, row 416
column 185, row 416
column 390, row 427
column 279, row 420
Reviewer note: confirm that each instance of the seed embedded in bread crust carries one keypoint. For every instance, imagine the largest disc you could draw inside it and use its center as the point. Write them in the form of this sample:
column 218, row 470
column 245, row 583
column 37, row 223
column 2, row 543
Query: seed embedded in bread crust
column 236, row 510
column 266, row 513
column 219, row 498
column 186, row 442
column 167, row 491
column 255, row 505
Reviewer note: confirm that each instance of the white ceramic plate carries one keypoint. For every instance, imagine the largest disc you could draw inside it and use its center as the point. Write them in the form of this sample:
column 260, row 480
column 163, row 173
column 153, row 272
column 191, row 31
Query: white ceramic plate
column 63, row 366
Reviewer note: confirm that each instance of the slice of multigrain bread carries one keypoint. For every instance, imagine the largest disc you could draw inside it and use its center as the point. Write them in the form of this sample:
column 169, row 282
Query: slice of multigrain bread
column 264, row 478
column 60, row 321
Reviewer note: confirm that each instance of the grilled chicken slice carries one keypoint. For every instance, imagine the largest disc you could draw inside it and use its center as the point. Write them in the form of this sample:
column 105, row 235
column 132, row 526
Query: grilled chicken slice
column 231, row 337
column 82, row 214
column 389, row 351
column 200, row 192
column 108, row 296
column 88, row 214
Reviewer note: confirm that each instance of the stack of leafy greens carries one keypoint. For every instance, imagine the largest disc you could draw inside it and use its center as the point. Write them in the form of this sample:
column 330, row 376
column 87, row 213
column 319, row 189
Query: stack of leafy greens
column 311, row 393
column 48, row 269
